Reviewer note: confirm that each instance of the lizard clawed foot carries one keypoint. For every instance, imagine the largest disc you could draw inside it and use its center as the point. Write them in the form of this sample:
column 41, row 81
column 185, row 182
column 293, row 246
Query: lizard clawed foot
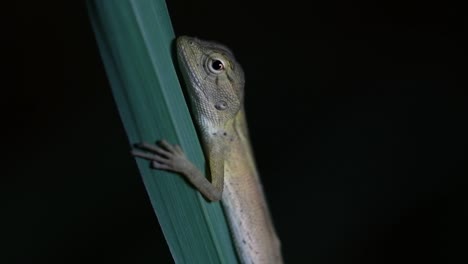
column 162, row 155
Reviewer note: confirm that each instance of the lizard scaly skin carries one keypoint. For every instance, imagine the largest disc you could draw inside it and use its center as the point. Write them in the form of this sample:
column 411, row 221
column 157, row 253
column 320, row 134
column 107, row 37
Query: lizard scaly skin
column 215, row 83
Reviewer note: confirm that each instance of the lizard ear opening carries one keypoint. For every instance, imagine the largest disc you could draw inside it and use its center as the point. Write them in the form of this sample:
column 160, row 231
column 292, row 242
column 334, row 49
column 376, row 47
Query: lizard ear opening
column 221, row 105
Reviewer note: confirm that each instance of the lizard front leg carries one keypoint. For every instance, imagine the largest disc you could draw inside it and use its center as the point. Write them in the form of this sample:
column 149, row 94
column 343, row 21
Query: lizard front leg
column 166, row 156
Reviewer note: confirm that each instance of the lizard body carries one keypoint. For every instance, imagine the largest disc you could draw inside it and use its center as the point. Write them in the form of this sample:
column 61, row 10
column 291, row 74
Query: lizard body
column 216, row 88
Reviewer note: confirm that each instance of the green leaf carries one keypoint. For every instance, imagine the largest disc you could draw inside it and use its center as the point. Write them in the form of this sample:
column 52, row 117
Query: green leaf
column 135, row 39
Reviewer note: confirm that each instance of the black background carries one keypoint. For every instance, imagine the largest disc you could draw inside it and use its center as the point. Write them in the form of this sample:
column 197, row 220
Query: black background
column 356, row 111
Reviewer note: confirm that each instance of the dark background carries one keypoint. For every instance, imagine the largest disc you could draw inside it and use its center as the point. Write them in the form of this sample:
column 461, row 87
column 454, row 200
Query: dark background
column 356, row 112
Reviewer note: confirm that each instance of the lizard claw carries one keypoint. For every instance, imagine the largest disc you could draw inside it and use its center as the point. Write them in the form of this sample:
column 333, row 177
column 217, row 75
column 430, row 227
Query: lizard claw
column 162, row 155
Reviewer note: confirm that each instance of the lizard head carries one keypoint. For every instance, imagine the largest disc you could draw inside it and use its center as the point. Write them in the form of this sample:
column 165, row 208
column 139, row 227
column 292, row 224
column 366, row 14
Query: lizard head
column 215, row 82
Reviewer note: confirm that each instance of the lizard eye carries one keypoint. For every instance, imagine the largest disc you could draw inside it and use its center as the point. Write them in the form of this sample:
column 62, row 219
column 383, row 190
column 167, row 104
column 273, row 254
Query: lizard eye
column 216, row 66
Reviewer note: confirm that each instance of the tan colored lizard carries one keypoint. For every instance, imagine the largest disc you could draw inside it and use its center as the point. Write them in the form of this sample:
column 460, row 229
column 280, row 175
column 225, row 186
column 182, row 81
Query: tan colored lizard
column 216, row 88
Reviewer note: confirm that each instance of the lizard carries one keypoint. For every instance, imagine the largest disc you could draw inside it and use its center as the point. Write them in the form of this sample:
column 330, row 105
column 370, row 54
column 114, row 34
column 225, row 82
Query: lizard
column 215, row 83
